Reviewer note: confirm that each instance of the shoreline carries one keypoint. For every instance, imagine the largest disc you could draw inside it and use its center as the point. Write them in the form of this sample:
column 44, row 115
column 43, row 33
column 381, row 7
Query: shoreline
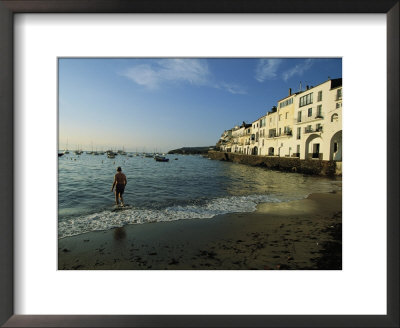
column 302, row 234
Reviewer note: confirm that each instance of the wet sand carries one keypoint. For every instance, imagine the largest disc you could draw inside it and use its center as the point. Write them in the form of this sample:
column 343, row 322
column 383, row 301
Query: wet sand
column 299, row 235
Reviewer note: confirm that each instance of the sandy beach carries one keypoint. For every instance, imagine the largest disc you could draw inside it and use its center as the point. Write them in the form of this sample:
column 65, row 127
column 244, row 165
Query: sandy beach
column 298, row 235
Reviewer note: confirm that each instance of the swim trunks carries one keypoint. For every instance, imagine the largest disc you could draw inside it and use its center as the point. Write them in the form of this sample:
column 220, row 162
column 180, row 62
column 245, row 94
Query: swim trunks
column 120, row 188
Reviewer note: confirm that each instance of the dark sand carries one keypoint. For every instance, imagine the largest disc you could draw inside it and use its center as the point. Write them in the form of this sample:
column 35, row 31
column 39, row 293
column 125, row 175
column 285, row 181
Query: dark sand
column 303, row 234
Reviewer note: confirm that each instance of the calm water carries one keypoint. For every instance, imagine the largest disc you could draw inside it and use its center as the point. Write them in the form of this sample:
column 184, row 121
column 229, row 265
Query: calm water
column 191, row 187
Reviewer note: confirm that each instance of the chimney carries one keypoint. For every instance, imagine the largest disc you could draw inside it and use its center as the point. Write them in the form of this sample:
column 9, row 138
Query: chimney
column 307, row 87
column 290, row 91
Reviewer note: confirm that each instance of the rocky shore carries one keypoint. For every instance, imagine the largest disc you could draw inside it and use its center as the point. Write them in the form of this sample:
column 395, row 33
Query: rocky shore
column 286, row 164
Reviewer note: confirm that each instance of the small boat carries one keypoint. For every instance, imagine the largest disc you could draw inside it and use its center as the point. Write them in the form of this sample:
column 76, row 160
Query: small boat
column 66, row 151
column 161, row 159
column 60, row 154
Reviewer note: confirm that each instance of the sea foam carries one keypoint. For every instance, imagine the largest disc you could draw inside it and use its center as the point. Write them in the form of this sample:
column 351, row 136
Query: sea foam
column 107, row 219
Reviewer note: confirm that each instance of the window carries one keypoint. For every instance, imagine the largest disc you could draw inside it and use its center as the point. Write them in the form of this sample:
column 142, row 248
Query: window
column 319, row 96
column 309, row 112
column 286, row 115
column 337, row 105
column 319, row 127
column 306, row 100
column 339, row 94
column 298, row 149
column 334, row 117
column 286, row 103
column 280, row 131
column 263, row 142
column 319, row 111
column 299, row 116
column 298, row 133
column 335, row 147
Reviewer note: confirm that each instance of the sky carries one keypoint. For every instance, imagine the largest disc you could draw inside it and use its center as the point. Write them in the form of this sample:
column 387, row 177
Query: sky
column 159, row 104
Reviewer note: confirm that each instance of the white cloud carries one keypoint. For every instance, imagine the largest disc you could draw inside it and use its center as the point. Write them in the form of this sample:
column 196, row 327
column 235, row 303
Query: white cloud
column 192, row 71
column 232, row 88
column 267, row 69
column 142, row 75
column 299, row 69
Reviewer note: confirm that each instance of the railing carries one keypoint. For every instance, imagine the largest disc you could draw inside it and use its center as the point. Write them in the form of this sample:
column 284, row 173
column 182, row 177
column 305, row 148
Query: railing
column 316, row 155
column 308, row 118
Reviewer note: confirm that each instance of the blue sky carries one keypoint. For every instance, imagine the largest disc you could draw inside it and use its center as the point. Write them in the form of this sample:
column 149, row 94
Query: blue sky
column 162, row 104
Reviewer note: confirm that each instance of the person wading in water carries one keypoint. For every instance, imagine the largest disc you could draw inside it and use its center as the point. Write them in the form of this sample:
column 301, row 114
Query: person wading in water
column 119, row 184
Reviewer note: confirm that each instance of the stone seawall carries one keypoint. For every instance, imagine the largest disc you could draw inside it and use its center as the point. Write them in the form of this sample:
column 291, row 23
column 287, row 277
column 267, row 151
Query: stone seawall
column 287, row 164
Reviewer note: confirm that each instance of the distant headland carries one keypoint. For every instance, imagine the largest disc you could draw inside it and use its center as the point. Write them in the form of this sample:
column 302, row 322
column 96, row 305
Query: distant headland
column 192, row 150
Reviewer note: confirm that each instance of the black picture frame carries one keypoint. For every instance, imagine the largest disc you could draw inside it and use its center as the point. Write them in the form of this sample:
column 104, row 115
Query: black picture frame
column 10, row 7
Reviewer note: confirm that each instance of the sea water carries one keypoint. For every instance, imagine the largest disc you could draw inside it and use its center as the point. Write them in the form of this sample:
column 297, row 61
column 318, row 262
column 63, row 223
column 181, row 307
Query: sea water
column 186, row 187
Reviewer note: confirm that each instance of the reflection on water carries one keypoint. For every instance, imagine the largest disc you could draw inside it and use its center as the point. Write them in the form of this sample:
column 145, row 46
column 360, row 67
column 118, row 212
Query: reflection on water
column 119, row 234
column 190, row 187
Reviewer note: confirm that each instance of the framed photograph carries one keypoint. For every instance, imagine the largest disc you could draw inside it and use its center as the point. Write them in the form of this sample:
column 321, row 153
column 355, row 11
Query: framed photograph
column 216, row 130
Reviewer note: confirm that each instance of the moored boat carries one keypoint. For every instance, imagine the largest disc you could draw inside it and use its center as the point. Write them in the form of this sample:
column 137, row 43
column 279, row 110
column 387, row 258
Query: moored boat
column 161, row 159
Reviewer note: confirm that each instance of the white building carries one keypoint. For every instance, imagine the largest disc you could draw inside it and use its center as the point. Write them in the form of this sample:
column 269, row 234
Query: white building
column 306, row 124
column 318, row 122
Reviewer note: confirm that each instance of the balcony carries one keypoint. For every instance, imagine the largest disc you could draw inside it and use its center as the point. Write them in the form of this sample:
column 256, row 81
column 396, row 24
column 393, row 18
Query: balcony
column 288, row 133
column 310, row 130
column 309, row 118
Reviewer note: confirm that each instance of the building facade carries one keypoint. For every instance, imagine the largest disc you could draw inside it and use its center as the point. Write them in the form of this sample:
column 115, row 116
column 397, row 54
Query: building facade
column 306, row 124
